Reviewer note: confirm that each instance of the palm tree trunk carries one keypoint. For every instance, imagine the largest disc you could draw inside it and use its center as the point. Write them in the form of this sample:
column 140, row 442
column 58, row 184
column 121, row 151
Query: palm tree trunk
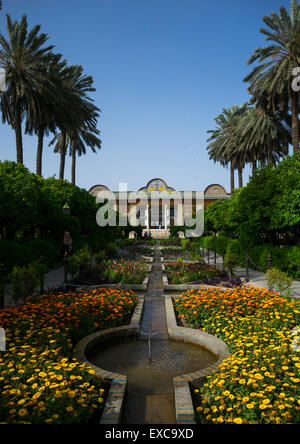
column 231, row 177
column 295, row 121
column 270, row 157
column 39, row 153
column 18, row 132
column 73, row 163
column 62, row 157
column 254, row 164
column 286, row 151
column 240, row 171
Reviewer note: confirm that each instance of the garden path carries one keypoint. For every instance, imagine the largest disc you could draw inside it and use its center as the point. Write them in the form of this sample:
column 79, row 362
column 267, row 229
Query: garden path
column 256, row 278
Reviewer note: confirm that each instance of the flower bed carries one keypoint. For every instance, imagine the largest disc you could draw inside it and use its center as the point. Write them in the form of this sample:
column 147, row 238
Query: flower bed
column 113, row 272
column 181, row 273
column 170, row 242
column 125, row 272
column 40, row 381
column 136, row 250
column 259, row 383
column 174, row 254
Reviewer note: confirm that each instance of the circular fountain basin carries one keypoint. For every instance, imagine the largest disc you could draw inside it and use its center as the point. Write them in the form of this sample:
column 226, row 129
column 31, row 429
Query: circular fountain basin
column 150, row 397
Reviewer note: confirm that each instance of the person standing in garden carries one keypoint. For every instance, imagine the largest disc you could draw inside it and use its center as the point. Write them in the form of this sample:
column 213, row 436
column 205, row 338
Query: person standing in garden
column 66, row 247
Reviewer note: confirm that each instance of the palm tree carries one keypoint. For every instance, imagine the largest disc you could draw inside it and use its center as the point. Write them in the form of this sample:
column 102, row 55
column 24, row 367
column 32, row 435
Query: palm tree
column 84, row 137
column 77, row 142
column 262, row 137
column 48, row 107
column 223, row 142
column 81, row 111
column 271, row 80
column 22, row 56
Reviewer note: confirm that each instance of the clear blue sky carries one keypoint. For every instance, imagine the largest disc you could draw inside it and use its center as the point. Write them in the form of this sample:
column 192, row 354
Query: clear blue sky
column 163, row 70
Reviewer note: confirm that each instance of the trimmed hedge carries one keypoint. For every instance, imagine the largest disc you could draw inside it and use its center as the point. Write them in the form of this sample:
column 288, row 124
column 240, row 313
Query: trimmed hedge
column 20, row 254
column 286, row 259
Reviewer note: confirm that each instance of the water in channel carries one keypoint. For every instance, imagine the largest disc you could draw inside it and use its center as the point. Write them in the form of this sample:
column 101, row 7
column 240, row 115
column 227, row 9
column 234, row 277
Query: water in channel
column 151, row 361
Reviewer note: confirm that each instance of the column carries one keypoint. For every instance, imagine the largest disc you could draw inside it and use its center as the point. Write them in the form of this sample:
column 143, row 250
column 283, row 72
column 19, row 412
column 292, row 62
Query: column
column 166, row 216
column 147, row 217
column 179, row 215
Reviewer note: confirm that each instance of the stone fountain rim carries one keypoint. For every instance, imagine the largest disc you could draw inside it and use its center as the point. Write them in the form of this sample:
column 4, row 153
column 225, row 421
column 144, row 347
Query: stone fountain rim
column 185, row 413
column 113, row 408
column 183, row 402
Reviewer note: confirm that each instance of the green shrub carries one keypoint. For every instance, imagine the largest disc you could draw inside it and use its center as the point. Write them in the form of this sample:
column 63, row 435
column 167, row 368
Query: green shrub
column 221, row 244
column 99, row 257
column 111, row 249
column 72, row 265
column 231, row 261
column 41, row 270
column 80, row 261
column 293, row 261
column 195, row 256
column 234, row 247
column 84, row 258
column 279, row 281
column 185, row 243
column 23, row 253
column 24, row 281
column 194, row 247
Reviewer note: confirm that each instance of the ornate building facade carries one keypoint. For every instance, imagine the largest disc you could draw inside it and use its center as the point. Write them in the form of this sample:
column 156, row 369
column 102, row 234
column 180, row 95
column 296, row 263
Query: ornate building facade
column 159, row 205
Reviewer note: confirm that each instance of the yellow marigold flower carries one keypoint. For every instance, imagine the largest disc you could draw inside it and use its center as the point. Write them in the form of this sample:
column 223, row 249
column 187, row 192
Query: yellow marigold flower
column 238, row 421
column 22, row 412
column 266, row 401
column 262, row 406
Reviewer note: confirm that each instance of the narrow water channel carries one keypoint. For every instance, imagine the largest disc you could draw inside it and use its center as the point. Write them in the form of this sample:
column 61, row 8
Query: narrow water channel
column 151, row 361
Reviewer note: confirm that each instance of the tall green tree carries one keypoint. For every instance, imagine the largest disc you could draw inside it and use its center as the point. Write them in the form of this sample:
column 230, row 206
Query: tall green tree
column 49, row 106
column 270, row 81
column 22, row 56
column 80, row 140
column 261, row 137
column 82, row 113
column 223, row 142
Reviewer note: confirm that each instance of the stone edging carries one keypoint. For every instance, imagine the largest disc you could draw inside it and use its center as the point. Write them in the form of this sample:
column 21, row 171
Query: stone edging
column 134, row 287
column 185, row 287
column 112, row 413
column 296, row 341
column 185, row 413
